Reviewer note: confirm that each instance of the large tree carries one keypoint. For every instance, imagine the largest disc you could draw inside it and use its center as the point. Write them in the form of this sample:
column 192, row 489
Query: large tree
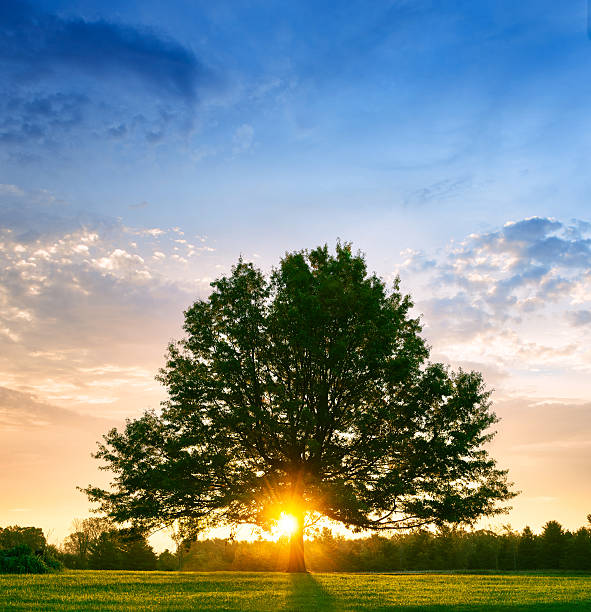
column 309, row 392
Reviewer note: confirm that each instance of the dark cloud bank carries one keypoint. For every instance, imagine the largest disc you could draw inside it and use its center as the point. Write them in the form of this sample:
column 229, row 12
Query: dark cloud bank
column 33, row 44
column 59, row 73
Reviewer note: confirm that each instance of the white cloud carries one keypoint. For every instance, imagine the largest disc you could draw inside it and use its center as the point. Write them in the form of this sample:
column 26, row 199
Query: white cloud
column 505, row 298
column 87, row 309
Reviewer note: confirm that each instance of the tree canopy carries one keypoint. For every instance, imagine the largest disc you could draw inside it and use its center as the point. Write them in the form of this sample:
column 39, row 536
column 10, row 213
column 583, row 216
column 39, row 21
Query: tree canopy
column 307, row 391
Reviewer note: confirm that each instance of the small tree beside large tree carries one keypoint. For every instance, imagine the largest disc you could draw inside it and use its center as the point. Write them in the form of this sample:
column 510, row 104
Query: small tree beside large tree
column 306, row 392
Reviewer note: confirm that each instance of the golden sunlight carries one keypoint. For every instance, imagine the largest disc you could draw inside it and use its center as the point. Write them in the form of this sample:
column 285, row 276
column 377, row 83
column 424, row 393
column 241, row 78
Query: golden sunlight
column 286, row 525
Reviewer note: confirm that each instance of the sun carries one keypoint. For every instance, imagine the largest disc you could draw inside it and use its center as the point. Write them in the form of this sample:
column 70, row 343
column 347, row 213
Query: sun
column 286, row 524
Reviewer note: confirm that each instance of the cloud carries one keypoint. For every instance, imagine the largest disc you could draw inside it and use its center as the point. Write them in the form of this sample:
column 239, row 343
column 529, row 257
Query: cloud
column 33, row 213
column 22, row 411
column 117, row 131
column 529, row 230
column 34, row 44
column 139, row 205
column 11, row 190
column 74, row 78
column 505, row 298
column 39, row 117
column 579, row 317
column 524, row 265
column 441, row 190
column 87, row 306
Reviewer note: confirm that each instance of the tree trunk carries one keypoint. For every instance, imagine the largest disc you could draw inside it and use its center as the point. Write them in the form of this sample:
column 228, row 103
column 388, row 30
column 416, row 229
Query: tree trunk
column 296, row 547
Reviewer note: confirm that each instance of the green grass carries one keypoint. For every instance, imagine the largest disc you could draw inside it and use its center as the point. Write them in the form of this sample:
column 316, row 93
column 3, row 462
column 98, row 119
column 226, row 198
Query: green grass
column 102, row 590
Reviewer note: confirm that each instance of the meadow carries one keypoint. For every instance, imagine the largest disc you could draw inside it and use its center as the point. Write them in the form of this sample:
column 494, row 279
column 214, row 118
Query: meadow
column 121, row 590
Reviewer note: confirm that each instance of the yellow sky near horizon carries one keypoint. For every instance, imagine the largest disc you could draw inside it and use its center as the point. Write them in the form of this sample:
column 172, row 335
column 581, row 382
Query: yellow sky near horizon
column 85, row 317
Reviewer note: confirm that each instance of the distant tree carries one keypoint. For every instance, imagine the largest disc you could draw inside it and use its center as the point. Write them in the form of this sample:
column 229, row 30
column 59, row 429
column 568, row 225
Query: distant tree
column 121, row 549
column 527, row 550
column 167, row 561
column 22, row 536
column 552, row 545
column 306, row 392
column 445, row 549
column 483, row 552
column 105, row 552
column 418, row 552
column 78, row 544
column 578, row 550
column 450, row 548
column 507, row 549
column 136, row 552
column 376, row 554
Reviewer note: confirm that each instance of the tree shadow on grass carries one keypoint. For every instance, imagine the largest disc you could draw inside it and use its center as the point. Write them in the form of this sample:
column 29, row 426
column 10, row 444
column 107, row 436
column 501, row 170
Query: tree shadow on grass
column 308, row 594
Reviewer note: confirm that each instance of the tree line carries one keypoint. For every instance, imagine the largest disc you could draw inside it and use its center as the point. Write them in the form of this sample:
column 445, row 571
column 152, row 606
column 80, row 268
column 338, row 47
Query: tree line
column 555, row 548
column 95, row 543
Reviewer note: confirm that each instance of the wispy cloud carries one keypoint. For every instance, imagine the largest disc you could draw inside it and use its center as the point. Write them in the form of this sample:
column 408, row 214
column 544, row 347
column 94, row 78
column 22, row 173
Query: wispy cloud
column 243, row 138
column 22, row 411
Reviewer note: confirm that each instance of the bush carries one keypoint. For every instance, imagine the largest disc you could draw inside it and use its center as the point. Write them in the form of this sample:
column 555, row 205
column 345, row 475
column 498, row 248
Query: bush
column 50, row 561
column 22, row 560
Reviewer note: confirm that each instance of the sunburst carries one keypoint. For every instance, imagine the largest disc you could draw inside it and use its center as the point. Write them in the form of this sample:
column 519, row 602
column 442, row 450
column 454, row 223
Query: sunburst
column 286, row 524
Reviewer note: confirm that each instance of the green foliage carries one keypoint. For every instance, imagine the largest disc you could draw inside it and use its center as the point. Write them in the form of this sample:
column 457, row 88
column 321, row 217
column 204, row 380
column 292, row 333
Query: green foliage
column 96, row 543
column 309, row 389
column 79, row 543
column 139, row 555
column 121, row 549
column 167, row 561
column 105, row 553
column 18, row 536
column 578, row 550
column 527, row 550
column 22, row 559
column 24, row 550
column 552, row 546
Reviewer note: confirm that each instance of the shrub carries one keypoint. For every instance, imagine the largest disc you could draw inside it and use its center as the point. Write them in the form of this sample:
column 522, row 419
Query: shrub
column 22, row 560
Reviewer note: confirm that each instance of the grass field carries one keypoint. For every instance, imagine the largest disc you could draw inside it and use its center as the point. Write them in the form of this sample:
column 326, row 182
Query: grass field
column 94, row 590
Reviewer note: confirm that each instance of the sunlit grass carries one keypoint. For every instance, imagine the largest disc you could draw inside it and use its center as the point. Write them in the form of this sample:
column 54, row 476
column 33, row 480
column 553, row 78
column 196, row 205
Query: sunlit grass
column 103, row 590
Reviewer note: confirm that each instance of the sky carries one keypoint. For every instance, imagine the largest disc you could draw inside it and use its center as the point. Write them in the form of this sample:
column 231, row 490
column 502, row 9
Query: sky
column 146, row 146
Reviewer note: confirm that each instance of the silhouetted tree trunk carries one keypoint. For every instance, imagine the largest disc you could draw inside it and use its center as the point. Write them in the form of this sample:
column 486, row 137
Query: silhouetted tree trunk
column 296, row 547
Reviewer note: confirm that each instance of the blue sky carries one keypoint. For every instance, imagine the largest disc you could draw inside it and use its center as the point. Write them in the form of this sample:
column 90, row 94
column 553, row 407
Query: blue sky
column 230, row 117
column 145, row 145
